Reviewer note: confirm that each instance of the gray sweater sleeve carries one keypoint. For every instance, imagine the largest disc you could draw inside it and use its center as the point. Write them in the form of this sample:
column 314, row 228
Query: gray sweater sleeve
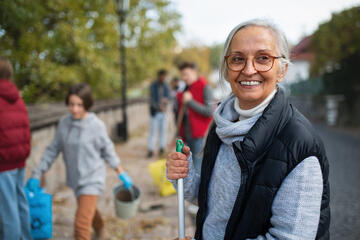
column 49, row 156
column 296, row 206
column 107, row 148
column 205, row 109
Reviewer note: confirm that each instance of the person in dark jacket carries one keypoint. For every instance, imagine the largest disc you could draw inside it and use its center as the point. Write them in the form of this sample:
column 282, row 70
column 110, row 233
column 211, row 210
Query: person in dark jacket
column 14, row 149
column 159, row 98
column 265, row 171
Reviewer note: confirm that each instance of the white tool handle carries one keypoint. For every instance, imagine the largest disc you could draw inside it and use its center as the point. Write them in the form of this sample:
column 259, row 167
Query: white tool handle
column 180, row 193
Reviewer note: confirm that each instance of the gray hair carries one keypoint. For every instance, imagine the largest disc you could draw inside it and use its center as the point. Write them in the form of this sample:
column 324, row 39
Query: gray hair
column 281, row 43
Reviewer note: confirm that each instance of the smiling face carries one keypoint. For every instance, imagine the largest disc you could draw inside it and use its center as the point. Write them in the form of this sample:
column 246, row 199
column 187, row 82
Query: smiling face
column 250, row 86
column 76, row 107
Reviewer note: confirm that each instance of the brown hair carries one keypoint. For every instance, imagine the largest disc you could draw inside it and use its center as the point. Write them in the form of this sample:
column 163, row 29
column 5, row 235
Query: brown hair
column 83, row 91
column 187, row 65
column 6, row 69
column 162, row 72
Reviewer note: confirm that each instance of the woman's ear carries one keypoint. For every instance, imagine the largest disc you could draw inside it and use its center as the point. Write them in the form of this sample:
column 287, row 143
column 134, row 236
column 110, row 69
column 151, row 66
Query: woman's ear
column 282, row 73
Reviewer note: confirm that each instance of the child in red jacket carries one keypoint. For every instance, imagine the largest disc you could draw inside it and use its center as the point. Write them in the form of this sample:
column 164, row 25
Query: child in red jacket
column 14, row 149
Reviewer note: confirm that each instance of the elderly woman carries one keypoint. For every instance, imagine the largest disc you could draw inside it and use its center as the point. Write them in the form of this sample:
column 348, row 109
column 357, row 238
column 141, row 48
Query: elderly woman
column 264, row 173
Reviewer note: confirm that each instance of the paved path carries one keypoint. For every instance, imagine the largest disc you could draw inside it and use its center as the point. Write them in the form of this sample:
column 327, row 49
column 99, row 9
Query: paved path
column 343, row 150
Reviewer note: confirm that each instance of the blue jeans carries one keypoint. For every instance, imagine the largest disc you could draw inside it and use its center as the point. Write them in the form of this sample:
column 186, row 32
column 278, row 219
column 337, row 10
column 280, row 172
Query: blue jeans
column 14, row 213
column 196, row 147
column 158, row 125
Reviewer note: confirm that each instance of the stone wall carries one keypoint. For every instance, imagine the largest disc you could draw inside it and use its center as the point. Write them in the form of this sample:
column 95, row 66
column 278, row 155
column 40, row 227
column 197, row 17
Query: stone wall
column 43, row 121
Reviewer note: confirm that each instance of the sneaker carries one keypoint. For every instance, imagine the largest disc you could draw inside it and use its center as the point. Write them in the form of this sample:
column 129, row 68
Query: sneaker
column 150, row 154
column 161, row 151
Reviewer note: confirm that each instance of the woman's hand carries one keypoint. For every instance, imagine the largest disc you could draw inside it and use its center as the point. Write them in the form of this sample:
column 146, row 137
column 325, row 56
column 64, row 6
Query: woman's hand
column 33, row 184
column 123, row 176
column 126, row 179
column 119, row 169
column 186, row 238
column 177, row 165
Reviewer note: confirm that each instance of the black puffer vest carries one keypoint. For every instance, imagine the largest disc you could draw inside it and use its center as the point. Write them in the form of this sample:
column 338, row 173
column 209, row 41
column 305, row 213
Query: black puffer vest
column 280, row 139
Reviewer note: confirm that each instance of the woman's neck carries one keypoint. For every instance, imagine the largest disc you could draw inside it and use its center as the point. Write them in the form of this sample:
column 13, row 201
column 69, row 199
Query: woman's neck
column 248, row 113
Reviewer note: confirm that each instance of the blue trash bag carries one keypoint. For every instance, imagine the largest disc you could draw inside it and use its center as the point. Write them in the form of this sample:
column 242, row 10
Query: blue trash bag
column 40, row 206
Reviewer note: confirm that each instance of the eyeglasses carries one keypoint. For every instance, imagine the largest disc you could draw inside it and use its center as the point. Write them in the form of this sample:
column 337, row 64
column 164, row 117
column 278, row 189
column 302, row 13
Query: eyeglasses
column 261, row 63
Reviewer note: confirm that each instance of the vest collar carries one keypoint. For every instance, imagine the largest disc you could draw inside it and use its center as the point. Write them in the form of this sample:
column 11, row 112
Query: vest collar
column 258, row 140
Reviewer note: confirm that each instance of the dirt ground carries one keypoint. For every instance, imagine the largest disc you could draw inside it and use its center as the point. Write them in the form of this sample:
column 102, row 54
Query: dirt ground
column 157, row 216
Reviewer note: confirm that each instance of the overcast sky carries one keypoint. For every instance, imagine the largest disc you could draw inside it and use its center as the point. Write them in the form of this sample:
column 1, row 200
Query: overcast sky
column 209, row 21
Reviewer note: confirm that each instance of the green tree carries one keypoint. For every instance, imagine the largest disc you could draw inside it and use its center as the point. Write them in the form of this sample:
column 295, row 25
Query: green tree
column 197, row 54
column 54, row 44
column 336, row 44
column 152, row 27
column 336, row 40
column 215, row 55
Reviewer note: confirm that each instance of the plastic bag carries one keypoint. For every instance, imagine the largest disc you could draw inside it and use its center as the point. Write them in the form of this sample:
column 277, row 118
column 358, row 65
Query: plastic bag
column 158, row 172
column 40, row 206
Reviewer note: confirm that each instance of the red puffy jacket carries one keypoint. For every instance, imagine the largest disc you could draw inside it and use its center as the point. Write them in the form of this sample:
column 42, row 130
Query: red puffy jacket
column 14, row 128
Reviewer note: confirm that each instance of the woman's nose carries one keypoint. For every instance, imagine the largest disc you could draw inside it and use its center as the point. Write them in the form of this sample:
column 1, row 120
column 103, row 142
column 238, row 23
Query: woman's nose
column 249, row 68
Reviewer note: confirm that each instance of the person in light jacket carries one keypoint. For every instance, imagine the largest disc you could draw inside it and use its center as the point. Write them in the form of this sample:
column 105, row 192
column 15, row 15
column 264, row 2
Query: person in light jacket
column 82, row 139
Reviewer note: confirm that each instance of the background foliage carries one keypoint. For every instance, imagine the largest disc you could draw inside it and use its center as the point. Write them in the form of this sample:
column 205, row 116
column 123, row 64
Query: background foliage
column 336, row 44
column 195, row 53
column 53, row 44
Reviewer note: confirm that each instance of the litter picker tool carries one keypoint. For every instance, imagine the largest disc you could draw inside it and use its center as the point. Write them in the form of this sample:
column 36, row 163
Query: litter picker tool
column 180, row 195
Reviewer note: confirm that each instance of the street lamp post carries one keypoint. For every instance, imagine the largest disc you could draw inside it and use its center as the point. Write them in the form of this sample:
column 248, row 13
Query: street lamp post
column 122, row 9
